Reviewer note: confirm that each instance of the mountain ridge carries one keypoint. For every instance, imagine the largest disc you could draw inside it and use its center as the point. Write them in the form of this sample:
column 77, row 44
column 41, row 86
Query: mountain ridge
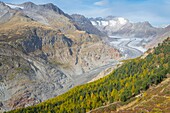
column 123, row 27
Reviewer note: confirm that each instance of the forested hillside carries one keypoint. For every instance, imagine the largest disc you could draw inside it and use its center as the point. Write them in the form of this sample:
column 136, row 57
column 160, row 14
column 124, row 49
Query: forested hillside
column 133, row 77
column 155, row 100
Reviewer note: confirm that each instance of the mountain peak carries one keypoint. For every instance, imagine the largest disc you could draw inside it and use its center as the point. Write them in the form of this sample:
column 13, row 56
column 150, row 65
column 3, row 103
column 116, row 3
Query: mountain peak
column 168, row 26
column 53, row 7
column 28, row 5
column 110, row 17
column 3, row 6
column 122, row 20
column 48, row 6
column 145, row 23
column 2, row 3
column 78, row 16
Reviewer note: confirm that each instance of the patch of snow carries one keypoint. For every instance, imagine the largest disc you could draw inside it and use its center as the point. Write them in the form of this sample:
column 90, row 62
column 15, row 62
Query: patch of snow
column 112, row 22
column 94, row 23
column 121, row 49
column 115, row 43
column 122, row 21
column 115, row 36
column 104, row 23
column 99, row 23
column 14, row 6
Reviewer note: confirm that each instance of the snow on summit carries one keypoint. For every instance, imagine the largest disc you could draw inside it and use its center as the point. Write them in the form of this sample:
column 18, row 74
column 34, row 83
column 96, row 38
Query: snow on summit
column 14, row 6
column 116, row 21
column 122, row 20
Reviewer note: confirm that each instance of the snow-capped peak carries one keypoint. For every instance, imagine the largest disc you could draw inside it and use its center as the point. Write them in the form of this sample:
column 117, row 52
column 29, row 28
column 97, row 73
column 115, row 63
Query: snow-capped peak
column 109, row 21
column 14, row 6
column 122, row 20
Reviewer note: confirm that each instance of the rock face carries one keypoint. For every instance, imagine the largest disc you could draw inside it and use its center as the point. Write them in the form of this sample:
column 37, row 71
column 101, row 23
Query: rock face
column 84, row 24
column 163, row 34
column 5, row 12
column 43, row 51
column 122, row 27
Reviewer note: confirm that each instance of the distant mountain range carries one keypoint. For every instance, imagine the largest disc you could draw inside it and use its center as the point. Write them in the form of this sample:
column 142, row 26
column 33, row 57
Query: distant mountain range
column 118, row 26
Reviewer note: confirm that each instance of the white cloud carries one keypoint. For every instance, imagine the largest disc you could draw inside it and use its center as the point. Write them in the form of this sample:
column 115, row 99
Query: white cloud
column 101, row 3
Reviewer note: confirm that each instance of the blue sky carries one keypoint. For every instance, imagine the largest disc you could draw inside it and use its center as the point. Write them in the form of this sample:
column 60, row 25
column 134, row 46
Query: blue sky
column 157, row 12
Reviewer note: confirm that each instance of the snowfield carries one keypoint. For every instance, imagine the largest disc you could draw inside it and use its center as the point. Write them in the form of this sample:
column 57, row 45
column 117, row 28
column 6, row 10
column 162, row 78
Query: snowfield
column 14, row 6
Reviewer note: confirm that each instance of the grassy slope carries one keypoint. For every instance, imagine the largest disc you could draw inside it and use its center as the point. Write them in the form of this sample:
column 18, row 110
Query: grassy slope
column 132, row 78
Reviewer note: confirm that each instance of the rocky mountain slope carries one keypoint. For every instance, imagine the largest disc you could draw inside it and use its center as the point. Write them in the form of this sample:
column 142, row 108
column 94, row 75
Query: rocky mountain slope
column 43, row 53
column 123, row 27
column 134, row 81
column 159, row 38
column 85, row 24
